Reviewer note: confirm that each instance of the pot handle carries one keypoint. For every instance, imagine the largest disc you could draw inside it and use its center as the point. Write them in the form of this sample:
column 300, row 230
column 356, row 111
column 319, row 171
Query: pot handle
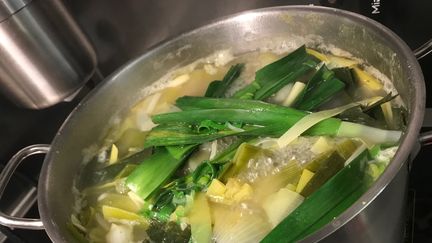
column 425, row 138
column 6, row 174
column 423, row 50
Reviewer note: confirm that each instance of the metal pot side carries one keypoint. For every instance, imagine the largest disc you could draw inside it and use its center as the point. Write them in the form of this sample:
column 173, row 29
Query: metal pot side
column 244, row 32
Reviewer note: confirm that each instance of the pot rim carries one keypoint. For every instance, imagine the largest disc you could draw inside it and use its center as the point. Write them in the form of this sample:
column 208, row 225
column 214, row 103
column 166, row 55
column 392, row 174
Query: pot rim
column 409, row 139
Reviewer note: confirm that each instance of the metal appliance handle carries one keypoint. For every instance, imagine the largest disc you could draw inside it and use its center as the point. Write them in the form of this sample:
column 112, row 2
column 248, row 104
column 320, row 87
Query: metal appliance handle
column 423, row 50
column 426, row 137
column 6, row 174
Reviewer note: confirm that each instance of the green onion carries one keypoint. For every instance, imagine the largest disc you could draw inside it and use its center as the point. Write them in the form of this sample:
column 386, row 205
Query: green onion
column 320, row 88
column 273, row 77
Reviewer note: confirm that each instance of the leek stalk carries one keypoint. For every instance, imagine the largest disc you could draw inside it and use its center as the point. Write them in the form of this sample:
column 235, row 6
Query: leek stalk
column 218, row 88
column 272, row 120
column 273, row 77
column 155, row 170
column 322, row 203
column 320, row 88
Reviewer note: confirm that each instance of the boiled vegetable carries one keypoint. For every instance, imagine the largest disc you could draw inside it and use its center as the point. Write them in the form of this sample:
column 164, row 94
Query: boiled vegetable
column 275, row 119
column 113, row 214
column 320, row 88
column 321, row 145
column 249, row 168
column 155, row 170
column 218, row 88
column 366, row 79
column 237, row 225
column 276, row 75
column 242, row 156
column 305, row 177
column 294, row 94
column 327, row 169
column 280, row 204
column 320, row 203
column 200, row 220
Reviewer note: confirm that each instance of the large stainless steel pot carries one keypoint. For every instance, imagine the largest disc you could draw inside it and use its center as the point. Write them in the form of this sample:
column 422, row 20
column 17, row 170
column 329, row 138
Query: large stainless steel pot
column 377, row 216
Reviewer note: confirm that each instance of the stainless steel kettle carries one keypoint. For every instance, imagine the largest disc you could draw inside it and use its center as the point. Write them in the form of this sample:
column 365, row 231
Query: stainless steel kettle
column 44, row 56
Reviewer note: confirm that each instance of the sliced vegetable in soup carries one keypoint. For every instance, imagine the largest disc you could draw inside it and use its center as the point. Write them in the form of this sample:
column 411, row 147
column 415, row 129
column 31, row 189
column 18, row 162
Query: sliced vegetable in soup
column 264, row 148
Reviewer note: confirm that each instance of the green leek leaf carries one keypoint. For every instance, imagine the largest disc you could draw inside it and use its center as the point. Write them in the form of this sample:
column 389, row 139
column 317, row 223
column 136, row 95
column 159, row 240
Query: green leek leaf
column 320, row 88
column 274, row 76
column 323, row 202
column 218, row 88
column 154, row 171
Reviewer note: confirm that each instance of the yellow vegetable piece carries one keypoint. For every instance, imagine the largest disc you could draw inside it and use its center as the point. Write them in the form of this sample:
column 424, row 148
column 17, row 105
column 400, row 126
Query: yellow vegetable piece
column 233, row 186
column 291, row 187
column 118, row 201
column 346, row 148
column 232, row 192
column 318, row 55
column 267, row 185
column 200, row 220
column 314, row 164
column 366, row 79
column 280, row 204
column 337, row 61
column 304, row 179
column 388, row 114
column 331, row 60
column 113, row 214
column 244, row 193
column 199, row 81
column 321, row 145
column 244, row 153
column 179, row 80
column 216, row 189
column 114, row 154
column 131, row 138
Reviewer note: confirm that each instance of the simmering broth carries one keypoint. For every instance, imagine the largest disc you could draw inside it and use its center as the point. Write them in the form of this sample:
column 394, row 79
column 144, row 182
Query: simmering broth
column 241, row 149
